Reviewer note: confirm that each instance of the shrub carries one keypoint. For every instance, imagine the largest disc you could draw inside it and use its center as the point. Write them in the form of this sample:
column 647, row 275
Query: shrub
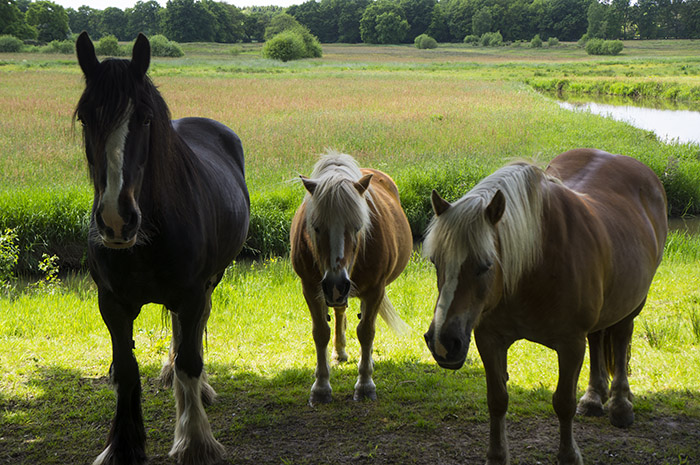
column 491, row 39
column 59, row 46
column 10, row 44
column 108, row 46
column 536, row 42
column 161, row 46
column 604, row 47
column 471, row 39
column 9, row 254
column 583, row 40
column 552, row 42
column 424, row 41
column 292, row 44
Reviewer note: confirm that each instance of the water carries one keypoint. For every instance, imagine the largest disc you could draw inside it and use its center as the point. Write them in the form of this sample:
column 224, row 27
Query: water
column 669, row 125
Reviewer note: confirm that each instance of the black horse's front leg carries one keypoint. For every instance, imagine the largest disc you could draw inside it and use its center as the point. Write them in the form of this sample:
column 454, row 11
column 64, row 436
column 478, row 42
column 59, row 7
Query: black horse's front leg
column 194, row 442
column 127, row 439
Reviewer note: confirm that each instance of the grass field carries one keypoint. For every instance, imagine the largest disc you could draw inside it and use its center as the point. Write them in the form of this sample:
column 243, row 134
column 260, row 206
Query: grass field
column 431, row 119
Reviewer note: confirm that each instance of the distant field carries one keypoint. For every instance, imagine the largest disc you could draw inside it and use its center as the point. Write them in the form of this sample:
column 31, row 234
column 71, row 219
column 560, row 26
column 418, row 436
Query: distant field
column 439, row 118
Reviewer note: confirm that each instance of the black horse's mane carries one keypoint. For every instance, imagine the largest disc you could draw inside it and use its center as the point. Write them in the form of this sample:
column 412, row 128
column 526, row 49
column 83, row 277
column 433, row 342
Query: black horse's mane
column 107, row 96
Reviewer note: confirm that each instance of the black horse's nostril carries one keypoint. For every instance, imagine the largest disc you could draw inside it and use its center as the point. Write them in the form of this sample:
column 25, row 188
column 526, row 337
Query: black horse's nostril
column 344, row 287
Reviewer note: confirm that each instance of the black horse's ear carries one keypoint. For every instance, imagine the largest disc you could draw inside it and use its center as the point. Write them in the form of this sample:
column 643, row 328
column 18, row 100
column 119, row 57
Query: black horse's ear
column 141, row 56
column 496, row 208
column 86, row 54
column 440, row 205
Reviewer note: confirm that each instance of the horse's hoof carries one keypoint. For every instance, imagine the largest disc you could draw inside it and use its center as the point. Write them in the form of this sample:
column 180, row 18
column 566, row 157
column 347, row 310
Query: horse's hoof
column 320, row 395
column 365, row 391
column 341, row 357
column 620, row 412
column 205, row 452
column 590, row 405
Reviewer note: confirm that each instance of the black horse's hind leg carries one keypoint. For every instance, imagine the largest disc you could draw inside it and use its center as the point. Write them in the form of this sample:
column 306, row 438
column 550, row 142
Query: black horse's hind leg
column 194, row 442
column 591, row 404
column 127, row 438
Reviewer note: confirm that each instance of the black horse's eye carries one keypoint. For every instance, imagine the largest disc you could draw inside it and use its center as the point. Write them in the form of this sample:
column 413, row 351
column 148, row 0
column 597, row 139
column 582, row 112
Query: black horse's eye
column 147, row 121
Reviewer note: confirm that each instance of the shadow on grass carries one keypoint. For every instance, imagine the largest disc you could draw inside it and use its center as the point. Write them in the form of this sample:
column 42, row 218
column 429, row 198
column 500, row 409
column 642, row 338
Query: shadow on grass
column 423, row 415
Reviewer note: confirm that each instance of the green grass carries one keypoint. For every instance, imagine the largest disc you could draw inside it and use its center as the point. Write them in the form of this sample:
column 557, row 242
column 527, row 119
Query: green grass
column 55, row 353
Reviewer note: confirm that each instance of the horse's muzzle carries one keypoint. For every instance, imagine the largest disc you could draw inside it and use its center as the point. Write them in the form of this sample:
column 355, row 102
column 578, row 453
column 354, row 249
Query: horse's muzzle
column 336, row 289
column 454, row 346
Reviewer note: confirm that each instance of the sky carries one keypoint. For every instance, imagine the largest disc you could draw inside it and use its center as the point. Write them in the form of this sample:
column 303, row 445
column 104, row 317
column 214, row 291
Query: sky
column 123, row 4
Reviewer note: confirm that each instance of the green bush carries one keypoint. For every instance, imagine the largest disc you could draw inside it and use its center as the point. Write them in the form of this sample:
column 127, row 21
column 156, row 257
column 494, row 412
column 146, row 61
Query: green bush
column 59, row 46
column 161, row 46
column 604, row 47
column 491, row 39
column 583, row 40
column 9, row 254
column 552, row 42
column 10, row 44
column 536, row 42
column 424, row 41
column 471, row 39
column 292, row 44
column 108, row 46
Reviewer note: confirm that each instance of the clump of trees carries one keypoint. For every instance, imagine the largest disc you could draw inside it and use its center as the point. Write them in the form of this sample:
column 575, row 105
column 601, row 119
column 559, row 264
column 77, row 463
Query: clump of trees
column 288, row 40
column 424, row 41
column 370, row 21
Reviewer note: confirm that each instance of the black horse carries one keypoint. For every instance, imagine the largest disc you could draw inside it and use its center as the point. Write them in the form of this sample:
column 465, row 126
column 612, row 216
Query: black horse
column 170, row 213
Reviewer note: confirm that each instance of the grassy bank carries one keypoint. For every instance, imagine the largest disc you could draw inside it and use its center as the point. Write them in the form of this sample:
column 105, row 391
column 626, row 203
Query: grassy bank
column 431, row 119
column 55, row 403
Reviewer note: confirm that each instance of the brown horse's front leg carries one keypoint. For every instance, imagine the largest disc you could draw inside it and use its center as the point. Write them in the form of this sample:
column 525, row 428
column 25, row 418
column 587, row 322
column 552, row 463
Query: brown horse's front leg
column 365, row 388
column 494, row 353
column 321, row 392
column 570, row 358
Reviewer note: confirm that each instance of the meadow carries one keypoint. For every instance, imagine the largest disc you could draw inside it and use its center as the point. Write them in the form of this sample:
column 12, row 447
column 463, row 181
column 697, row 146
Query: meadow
column 432, row 120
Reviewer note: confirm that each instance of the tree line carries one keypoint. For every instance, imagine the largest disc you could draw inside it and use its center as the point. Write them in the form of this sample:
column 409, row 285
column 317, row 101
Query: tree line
column 369, row 21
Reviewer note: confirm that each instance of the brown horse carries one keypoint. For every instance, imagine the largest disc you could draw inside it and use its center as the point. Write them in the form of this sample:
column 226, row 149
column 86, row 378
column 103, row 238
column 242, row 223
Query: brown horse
column 350, row 238
column 551, row 256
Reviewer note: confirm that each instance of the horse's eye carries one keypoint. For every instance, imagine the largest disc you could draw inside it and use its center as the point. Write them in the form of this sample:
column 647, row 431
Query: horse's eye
column 483, row 268
column 147, row 122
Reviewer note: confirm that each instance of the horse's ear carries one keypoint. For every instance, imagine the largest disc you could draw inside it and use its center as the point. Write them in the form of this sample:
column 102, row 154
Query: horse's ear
column 141, row 56
column 86, row 54
column 363, row 184
column 440, row 205
column 309, row 184
column 495, row 210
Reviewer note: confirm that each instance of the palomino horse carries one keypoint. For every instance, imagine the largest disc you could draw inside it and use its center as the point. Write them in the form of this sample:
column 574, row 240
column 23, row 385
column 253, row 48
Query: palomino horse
column 170, row 213
column 554, row 257
column 350, row 238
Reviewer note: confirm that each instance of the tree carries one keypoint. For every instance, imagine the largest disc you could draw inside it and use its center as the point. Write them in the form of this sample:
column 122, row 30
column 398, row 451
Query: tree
column 419, row 14
column 85, row 19
column 597, row 23
column 143, row 17
column 349, row 14
column 13, row 22
column 254, row 25
column 114, row 22
column 228, row 26
column 49, row 19
column 438, row 24
column 383, row 23
column 482, row 22
column 279, row 23
column 187, row 21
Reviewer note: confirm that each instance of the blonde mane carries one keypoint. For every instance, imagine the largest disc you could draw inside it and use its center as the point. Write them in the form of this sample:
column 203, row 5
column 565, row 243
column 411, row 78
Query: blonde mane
column 335, row 197
column 463, row 230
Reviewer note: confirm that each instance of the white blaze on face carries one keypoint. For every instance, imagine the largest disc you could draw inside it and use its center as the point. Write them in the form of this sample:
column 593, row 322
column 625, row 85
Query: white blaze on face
column 447, row 293
column 115, row 173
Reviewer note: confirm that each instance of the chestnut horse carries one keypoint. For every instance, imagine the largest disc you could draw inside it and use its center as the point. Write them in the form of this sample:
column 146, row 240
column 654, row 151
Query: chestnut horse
column 555, row 257
column 349, row 238
column 170, row 213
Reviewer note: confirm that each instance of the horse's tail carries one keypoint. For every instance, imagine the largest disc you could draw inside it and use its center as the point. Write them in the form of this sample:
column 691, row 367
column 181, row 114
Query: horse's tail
column 392, row 319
